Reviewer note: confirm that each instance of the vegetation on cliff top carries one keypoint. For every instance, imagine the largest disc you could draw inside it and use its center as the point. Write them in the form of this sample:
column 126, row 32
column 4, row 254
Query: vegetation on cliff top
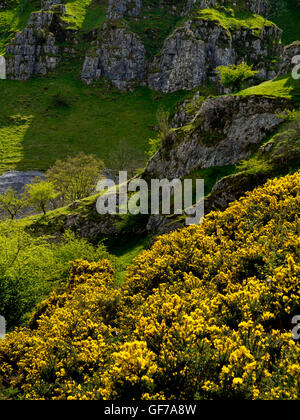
column 231, row 19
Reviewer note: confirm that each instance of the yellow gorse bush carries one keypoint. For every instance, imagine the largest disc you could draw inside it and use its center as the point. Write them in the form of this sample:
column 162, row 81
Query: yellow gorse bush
column 205, row 313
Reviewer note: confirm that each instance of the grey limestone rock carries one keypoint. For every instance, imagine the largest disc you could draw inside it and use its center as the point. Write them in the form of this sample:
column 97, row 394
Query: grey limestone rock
column 289, row 58
column 222, row 133
column 34, row 49
column 120, row 8
column 119, row 56
column 191, row 54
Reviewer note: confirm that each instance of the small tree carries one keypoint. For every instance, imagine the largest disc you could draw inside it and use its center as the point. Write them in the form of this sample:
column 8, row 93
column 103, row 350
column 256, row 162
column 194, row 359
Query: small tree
column 76, row 177
column 40, row 193
column 163, row 123
column 11, row 203
column 234, row 76
column 163, row 118
column 154, row 146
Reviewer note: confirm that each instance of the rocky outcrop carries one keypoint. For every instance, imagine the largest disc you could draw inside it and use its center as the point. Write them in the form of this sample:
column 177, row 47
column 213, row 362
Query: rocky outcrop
column 260, row 7
column 191, row 54
column 186, row 111
column 4, row 4
column 187, row 59
column 120, row 8
column 119, row 56
column 47, row 4
column 201, row 4
column 34, row 49
column 222, row 133
column 288, row 60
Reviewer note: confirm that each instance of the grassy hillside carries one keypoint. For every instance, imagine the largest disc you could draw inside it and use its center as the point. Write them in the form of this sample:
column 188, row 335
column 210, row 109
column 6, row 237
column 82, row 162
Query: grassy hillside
column 85, row 15
column 48, row 118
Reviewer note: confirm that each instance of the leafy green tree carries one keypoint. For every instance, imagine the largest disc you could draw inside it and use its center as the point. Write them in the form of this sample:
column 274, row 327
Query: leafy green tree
column 234, row 76
column 31, row 267
column 154, row 146
column 76, row 177
column 11, row 203
column 40, row 193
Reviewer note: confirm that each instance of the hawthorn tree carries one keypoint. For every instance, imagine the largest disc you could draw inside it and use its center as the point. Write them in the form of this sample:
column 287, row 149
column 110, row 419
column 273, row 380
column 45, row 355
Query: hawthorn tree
column 40, row 193
column 11, row 202
column 76, row 177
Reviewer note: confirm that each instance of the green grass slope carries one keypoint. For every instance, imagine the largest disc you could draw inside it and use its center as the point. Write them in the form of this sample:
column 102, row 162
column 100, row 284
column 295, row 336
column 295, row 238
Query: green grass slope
column 86, row 15
column 282, row 87
column 44, row 119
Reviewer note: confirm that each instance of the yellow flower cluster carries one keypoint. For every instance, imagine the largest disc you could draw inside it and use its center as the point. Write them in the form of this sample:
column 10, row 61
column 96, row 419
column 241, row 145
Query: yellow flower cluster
column 205, row 313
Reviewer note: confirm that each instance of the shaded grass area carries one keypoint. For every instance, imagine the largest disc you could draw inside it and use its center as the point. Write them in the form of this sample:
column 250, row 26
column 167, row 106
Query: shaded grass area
column 86, row 15
column 289, row 22
column 45, row 119
column 155, row 26
column 125, row 255
column 211, row 176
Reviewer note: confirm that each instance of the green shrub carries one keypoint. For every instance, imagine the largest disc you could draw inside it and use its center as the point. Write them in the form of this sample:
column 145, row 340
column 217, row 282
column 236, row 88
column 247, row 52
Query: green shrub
column 31, row 267
column 154, row 146
column 234, row 76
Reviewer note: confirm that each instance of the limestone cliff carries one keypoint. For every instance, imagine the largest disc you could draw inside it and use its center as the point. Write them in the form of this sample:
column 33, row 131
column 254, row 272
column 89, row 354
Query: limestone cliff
column 118, row 55
column 201, row 35
column 190, row 54
column 119, row 9
column 34, row 49
column 287, row 63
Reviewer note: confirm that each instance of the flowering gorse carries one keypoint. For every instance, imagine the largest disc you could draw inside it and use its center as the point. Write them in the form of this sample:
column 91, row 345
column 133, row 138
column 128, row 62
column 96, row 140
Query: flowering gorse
column 205, row 313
